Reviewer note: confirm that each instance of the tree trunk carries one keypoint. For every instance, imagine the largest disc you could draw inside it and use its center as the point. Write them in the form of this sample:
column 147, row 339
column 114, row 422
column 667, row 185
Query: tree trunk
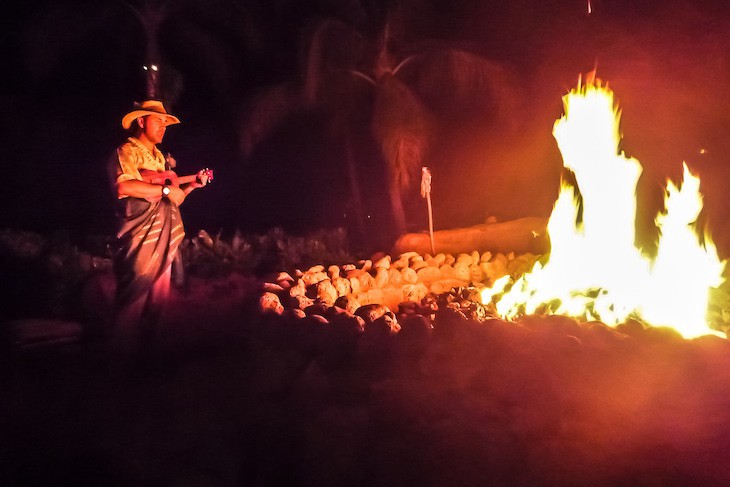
column 152, row 58
column 355, row 187
column 396, row 204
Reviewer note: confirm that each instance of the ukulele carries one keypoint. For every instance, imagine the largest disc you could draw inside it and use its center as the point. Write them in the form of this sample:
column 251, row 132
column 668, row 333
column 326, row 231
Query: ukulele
column 170, row 178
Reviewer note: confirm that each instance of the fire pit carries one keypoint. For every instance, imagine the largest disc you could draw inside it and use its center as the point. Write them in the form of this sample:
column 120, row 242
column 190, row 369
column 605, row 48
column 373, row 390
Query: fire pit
column 594, row 272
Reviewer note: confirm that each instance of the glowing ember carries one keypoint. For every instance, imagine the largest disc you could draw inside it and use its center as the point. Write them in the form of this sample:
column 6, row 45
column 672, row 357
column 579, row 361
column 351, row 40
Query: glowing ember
column 594, row 270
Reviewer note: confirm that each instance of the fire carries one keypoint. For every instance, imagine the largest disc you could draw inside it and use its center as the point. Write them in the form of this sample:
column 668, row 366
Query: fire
column 594, row 270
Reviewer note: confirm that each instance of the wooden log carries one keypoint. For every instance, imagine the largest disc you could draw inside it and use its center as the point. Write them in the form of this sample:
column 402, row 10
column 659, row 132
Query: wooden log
column 522, row 235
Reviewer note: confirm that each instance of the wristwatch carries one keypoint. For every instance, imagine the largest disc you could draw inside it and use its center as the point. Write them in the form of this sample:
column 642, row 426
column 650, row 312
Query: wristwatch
column 165, row 191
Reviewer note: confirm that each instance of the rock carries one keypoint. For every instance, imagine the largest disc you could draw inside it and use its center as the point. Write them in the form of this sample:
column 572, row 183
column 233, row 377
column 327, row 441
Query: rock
column 415, row 327
column 392, row 296
column 400, row 263
column 372, row 296
column 476, row 274
column 315, row 269
column 395, row 278
column 371, row 312
column 283, row 276
column 407, row 255
column 270, row 303
column 311, row 278
column 461, row 270
column 446, row 285
column 299, row 289
column 341, row 285
column 385, row 325
column 295, row 313
column 326, row 292
column 447, row 272
column 367, row 281
column 409, row 275
column 316, row 309
column 348, row 302
column 383, row 262
column 428, row 274
column 414, row 292
column 381, row 277
column 301, row 302
column 272, row 288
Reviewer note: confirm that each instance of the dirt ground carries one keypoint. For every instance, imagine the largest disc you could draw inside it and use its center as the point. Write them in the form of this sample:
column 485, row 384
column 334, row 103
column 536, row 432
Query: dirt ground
column 235, row 398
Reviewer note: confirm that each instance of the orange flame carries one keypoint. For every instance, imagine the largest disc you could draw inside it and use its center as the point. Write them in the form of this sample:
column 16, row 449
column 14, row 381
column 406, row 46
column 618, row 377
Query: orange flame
column 594, row 269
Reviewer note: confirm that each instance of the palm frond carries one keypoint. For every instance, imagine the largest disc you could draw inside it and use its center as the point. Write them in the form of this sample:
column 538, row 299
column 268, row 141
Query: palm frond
column 455, row 79
column 402, row 125
column 265, row 112
column 332, row 46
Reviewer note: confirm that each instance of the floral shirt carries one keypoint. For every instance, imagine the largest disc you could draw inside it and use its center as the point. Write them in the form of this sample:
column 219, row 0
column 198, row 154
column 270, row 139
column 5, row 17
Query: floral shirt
column 133, row 156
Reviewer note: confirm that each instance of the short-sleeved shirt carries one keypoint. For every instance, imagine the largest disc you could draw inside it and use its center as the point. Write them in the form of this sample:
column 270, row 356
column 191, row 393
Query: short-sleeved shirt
column 133, row 157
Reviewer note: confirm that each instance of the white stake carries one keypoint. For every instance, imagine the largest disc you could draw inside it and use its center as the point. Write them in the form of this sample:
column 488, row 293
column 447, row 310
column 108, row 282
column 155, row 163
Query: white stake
column 426, row 193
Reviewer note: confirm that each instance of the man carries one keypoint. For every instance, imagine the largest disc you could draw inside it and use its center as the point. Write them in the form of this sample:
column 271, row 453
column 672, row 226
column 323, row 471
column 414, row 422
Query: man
column 151, row 227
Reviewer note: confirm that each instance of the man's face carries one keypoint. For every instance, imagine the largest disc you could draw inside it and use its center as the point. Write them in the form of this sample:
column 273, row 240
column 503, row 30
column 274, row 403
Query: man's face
column 153, row 127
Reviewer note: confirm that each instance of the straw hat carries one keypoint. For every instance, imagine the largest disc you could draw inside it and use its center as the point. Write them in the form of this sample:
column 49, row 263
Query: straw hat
column 148, row 107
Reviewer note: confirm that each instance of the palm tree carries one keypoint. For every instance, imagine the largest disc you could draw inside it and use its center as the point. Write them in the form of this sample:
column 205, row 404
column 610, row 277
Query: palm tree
column 150, row 15
column 353, row 70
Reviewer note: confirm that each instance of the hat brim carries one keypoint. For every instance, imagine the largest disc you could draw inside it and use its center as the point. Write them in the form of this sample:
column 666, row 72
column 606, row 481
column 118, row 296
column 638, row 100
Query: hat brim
column 133, row 115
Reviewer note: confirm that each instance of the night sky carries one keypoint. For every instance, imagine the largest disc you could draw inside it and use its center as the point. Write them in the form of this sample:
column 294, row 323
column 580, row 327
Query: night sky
column 71, row 70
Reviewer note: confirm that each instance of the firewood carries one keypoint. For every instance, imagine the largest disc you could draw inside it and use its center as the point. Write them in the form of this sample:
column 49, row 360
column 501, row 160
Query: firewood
column 521, row 235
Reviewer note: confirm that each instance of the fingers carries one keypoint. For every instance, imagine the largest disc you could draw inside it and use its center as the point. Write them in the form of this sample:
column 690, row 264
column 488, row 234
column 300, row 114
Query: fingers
column 176, row 196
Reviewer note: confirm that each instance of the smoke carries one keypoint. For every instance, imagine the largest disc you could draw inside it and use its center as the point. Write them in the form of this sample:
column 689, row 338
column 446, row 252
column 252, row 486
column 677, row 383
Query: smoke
column 667, row 63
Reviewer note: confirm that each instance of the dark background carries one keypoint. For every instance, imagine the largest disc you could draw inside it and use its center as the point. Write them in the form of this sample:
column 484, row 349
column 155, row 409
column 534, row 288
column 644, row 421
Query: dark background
column 71, row 69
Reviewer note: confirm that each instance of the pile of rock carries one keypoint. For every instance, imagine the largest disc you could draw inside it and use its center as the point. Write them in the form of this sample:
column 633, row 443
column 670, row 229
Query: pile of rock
column 377, row 287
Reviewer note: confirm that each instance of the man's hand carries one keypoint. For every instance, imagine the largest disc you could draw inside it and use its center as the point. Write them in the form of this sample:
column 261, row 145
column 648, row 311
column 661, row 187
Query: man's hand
column 171, row 162
column 201, row 179
column 176, row 196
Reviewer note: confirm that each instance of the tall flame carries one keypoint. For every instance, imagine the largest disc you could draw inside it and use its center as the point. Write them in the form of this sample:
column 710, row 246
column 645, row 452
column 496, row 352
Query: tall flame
column 594, row 270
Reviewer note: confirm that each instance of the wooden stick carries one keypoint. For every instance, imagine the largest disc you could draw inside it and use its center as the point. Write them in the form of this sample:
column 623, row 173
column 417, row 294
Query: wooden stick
column 426, row 193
